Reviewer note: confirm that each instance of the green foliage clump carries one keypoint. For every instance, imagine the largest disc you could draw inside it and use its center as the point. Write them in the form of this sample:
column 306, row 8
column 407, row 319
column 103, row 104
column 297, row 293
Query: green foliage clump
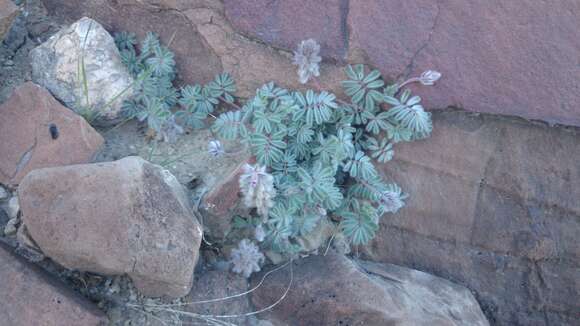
column 314, row 152
column 319, row 151
column 157, row 102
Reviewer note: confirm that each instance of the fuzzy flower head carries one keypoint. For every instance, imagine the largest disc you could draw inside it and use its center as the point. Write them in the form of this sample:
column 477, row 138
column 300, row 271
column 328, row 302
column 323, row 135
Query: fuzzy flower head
column 257, row 185
column 307, row 58
column 391, row 201
column 215, row 148
column 170, row 130
column 246, row 258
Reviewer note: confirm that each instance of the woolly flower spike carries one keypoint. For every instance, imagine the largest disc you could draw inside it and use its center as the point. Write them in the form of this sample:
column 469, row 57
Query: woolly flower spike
column 215, row 148
column 246, row 258
column 429, row 77
column 307, row 60
column 258, row 188
column 169, row 130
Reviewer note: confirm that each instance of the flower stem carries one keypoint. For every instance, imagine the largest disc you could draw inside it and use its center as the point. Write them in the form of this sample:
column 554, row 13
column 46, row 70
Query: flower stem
column 409, row 81
column 316, row 83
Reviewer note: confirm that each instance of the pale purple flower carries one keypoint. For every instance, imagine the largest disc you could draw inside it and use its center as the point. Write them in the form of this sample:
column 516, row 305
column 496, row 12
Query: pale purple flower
column 215, row 148
column 257, row 185
column 170, row 130
column 307, row 58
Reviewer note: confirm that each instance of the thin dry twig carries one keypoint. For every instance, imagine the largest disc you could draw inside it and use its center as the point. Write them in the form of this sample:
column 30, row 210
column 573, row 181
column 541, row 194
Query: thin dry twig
column 228, row 297
column 194, row 315
column 215, row 319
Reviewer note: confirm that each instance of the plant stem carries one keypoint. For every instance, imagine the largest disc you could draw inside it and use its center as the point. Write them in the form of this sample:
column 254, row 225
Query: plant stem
column 316, row 83
column 409, row 81
column 119, row 125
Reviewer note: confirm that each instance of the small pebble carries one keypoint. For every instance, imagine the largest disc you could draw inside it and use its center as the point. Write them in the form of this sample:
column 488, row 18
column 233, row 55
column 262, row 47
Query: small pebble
column 10, row 228
column 4, row 194
column 8, row 63
column 13, row 207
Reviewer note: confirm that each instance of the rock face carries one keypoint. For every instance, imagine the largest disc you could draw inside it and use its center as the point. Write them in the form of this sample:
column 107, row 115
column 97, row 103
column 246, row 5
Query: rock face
column 33, row 298
column 334, row 290
column 8, row 11
column 494, row 206
column 29, row 122
column 289, row 22
column 525, row 65
column 82, row 67
column 127, row 216
column 250, row 63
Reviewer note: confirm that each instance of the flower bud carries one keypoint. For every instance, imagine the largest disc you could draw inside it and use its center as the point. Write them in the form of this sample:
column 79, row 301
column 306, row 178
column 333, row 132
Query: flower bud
column 429, row 77
column 215, row 148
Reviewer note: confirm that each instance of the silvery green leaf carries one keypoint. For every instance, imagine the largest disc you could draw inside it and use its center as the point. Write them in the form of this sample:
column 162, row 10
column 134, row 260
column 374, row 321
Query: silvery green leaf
column 371, row 77
column 391, row 100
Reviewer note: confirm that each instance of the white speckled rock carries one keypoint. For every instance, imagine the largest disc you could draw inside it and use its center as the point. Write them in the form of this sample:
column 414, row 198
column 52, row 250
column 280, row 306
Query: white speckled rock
column 56, row 65
column 13, row 207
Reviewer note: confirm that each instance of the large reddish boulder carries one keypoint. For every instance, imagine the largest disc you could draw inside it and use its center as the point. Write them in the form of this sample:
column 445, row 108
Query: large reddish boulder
column 520, row 58
column 494, row 206
column 31, row 297
column 335, row 290
column 124, row 217
column 36, row 131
